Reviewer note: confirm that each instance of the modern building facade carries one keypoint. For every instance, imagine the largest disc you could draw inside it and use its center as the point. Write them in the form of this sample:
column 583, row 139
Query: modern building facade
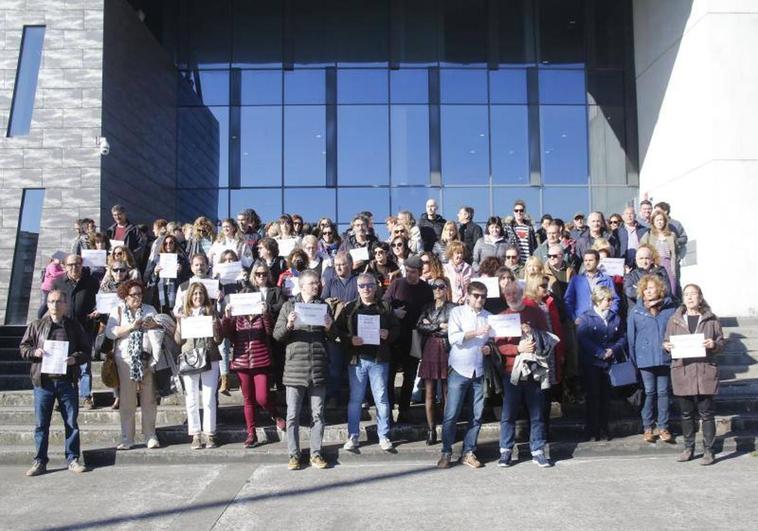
column 328, row 107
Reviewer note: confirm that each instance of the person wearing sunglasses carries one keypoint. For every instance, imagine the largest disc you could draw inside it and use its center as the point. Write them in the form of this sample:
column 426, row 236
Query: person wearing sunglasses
column 162, row 290
column 432, row 325
column 468, row 333
column 384, row 269
column 328, row 240
column 520, row 229
column 400, row 252
column 368, row 364
column 80, row 288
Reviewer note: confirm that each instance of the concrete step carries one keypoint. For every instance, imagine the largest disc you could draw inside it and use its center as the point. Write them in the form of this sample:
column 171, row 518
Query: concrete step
column 10, row 341
column 15, row 367
column 405, row 451
column 12, row 331
column 9, row 354
column 560, row 430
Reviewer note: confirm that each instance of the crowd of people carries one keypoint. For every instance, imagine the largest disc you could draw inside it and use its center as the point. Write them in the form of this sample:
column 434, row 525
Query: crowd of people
column 520, row 313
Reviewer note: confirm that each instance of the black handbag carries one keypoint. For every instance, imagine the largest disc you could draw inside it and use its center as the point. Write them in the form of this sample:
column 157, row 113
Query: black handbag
column 194, row 361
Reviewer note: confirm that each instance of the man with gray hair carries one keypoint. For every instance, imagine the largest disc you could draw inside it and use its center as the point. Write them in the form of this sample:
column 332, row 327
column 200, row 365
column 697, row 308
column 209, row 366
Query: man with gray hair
column 42, row 338
column 305, row 368
column 430, row 225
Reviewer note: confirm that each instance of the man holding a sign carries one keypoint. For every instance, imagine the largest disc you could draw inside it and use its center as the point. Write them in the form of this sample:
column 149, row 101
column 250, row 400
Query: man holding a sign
column 366, row 327
column 199, row 267
column 468, row 333
column 510, row 347
column 306, row 365
column 694, row 373
column 49, row 343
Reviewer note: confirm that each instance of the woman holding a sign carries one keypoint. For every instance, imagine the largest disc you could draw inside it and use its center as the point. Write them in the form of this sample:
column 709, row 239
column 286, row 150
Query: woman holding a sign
column 694, row 336
column 432, row 325
column 166, row 272
column 646, row 327
column 230, row 239
column 198, row 333
column 128, row 324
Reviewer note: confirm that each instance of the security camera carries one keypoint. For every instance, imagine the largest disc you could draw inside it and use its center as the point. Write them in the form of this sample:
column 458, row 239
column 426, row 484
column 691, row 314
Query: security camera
column 105, row 147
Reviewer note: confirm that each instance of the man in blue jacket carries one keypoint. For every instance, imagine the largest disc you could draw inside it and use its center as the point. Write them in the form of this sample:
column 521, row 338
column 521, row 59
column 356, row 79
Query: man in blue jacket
column 578, row 297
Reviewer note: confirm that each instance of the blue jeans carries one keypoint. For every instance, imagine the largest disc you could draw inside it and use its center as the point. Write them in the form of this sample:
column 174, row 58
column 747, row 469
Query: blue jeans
column 530, row 392
column 85, row 380
column 336, row 370
column 462, row 390
column 44, row 400
column 360, row 375
column 225, row 349
column 656, row 381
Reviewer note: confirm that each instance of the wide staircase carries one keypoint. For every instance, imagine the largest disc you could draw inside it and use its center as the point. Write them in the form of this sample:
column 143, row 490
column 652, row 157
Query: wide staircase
column 736, row 408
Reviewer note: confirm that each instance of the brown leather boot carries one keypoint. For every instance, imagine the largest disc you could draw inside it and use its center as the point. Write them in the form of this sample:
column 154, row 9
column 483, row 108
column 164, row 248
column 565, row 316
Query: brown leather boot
column 223, row 388
column 666, row 436
column 649, row 436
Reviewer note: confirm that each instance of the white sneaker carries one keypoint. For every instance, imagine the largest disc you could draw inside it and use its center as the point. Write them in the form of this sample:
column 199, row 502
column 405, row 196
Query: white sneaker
column 351, row 444
column 153, row 443
column 385, row 444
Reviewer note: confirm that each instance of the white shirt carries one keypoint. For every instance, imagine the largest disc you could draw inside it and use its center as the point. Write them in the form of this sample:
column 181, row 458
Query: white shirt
column 466, row 356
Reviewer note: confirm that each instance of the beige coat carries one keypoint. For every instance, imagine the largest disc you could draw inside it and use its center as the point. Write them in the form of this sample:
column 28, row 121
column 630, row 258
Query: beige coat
column 696, row 376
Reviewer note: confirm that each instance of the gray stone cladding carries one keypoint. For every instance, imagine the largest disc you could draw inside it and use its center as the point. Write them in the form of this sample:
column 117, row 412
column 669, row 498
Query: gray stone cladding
column 60, row 153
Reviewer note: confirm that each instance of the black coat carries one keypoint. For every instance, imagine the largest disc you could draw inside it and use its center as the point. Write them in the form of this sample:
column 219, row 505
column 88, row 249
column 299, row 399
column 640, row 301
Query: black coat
column 432, row 317
column 81, row 296
column 430, row 229
column 469, row 234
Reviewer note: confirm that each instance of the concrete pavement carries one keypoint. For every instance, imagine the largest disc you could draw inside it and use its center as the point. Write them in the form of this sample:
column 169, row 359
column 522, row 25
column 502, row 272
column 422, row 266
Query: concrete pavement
column 578, row 493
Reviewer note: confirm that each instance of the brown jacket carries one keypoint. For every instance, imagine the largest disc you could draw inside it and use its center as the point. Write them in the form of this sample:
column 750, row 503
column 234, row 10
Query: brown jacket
column 38, row 331
column 696, row 376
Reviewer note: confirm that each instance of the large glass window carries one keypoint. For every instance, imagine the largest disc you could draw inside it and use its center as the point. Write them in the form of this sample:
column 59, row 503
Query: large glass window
column 22, row 274
column 409, row 86
column 305, row 145
column 202, row 147
column 362, row 145
column 463, row 86
column 562, row 86
column 350, row 201
column 563, row 136
column 362, row 86
column 25, row 87
column 456, row 197
column 260, row 87
column 204, row 88
column 410, row 144
column 311, row 203
column 564, row 202
column 465, row 144
column 503, row 198
column 305, row 86
column 413, row 199
column 261, row 146
column 267, row 202
column 508, row 86
column 510, row 144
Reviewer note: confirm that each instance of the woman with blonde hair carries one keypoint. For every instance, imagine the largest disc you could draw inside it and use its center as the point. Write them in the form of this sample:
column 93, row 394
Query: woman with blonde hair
column 196, row 304
column 449, row 234
column 646, row 329
column 532, row 266
column 457, row 271
column 202, row 236
column 663, row 239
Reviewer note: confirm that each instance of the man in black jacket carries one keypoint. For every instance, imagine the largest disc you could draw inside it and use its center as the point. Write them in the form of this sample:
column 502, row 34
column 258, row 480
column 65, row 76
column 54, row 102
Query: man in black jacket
column 55, row 329
column 80, row 289
column 430, row 224
column 131, row 236
column 468, row 231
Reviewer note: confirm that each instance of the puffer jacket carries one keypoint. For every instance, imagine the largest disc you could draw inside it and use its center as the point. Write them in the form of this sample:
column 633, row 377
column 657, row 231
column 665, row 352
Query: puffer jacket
column 696, row 376
column 38, row 331
column 251, row 337
column 596, row 335
column 645, row 334
column 306, row 361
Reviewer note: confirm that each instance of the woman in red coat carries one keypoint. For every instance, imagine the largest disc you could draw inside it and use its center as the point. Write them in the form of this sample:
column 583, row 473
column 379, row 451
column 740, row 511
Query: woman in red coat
column 250, row 336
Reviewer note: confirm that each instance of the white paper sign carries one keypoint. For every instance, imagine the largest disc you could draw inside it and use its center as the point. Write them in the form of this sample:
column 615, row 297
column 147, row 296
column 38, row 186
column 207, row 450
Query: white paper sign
column 94, row 258
column 54, row 358
column 106, row 302
column 613, row 267
column 687, row 346
column 286, row 246
column 359, row 254
column 211, row 284
column 197, row 327
column 116, row 243
column 492, row 284
column 505, row 325
column 246, row 303
column 169, row 265
column 228, row 272
column 310, row 314
column 368, row 329
column 291, row 286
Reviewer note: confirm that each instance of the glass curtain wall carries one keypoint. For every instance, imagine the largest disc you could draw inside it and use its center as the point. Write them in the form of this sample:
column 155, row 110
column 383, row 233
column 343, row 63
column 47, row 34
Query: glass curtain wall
column 329, row 107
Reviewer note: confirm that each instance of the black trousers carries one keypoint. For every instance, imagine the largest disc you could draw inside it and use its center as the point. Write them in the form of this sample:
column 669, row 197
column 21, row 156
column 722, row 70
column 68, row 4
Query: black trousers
column 597, row 390
column 702, row 405
column 401, row 361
